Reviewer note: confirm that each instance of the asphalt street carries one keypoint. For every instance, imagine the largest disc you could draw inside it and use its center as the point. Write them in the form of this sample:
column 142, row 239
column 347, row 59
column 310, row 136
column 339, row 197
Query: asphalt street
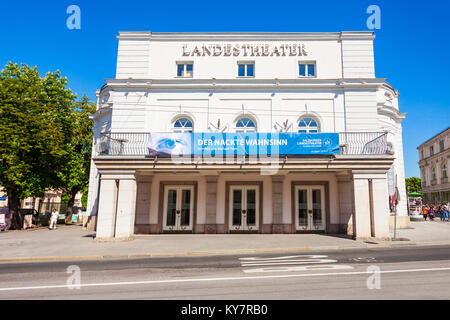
column 395, row 273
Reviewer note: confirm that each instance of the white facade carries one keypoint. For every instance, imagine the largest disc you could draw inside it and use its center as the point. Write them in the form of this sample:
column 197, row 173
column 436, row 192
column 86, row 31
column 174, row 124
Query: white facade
column 341, row 94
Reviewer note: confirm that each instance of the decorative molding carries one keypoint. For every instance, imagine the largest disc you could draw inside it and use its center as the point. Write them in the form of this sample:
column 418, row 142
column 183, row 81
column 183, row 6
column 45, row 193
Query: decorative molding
column 255, row 84
column 244, row 36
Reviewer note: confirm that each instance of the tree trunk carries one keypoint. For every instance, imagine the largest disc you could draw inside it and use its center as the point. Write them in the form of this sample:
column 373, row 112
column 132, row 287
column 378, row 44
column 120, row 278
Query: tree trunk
column 14, row 218
column 69, row 211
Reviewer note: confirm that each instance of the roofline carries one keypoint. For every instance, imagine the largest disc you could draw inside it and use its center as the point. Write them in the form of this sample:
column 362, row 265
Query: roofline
column 273, row 36
column 433, row 137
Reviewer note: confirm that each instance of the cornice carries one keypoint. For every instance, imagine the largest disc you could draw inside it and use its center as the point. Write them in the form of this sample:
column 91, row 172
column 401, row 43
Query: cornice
column 433, row 139
column 392, row 112
column 102, row 111
column 244, row 36
column 278, row 84
column 367, row 162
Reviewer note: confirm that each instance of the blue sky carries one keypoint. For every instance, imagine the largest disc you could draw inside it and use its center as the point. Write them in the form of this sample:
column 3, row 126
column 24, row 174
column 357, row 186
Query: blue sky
column 411, row 48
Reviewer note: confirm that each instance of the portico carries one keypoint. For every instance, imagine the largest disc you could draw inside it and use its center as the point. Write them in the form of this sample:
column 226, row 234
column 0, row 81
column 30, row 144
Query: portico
column 151, row 199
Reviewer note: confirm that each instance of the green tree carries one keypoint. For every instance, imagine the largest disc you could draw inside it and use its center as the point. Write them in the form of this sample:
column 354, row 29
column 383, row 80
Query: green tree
column 413, row 184
column 34, row 124
column 73, row 177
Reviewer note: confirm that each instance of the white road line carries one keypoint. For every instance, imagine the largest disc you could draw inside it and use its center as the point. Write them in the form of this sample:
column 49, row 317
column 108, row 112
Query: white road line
column 310, row 256
column 300, row 268
column 276, row 263
column 227, row 279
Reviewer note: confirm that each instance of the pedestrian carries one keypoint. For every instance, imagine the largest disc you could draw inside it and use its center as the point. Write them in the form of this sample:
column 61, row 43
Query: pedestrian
column 54, row 219
column 425, row 212
column 431, row 212
column 440, row 212
column 446, row 211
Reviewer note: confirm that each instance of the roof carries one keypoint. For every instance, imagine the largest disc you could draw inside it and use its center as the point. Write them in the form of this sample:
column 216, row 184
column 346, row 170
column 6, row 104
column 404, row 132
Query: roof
column 433, row 137
column 249, row 36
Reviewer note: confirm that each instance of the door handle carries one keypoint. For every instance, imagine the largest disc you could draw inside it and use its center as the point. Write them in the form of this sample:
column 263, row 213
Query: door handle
column 178, row 211
column 244, row 211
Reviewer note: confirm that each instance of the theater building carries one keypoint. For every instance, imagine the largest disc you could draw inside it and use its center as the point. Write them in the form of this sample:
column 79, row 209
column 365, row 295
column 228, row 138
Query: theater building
column 246, row 133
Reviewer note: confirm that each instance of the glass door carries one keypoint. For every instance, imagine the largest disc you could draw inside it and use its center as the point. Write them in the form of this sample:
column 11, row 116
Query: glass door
column 178, row 208
column 309, row 208
column 244, row 208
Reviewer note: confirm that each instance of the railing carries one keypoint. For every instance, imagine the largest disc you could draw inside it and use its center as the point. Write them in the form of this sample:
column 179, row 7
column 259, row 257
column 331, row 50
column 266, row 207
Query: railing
column 123, row 144
column 136, row 144
column 363, row 143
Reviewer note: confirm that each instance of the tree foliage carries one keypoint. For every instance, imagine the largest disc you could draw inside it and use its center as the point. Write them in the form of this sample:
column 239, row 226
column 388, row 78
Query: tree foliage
column 73, row 177
column 42, row 128
column 413, row 184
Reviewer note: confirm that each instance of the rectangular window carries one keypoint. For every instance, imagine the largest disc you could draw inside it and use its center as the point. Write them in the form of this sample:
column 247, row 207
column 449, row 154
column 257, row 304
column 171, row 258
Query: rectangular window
column 311, row 70
column 246, row 69
column 422, row 157
column 307, row 69
column 185, row 69
column 431, row 151
column 442, row 146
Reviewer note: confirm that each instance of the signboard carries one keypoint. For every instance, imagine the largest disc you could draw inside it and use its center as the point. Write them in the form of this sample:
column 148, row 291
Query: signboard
column 2, row 219
column 228, row 144
column 75, row 218
column 245, row 49
column 2, row 198
column 391, row 180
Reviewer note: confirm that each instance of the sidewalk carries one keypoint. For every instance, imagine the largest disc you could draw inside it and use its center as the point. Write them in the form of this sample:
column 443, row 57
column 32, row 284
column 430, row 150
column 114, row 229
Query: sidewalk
column 71, row 243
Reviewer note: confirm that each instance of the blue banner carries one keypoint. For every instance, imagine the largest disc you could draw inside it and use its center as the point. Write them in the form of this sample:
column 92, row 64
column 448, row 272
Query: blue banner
column 214, row 144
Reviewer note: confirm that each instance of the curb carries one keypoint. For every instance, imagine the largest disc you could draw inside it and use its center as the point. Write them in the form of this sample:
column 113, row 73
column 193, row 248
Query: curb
column 223, row 252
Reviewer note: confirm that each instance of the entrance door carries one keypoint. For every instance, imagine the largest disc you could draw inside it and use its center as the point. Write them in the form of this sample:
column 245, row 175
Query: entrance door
column 309, row 208
column 178, row 208
column 244, row 208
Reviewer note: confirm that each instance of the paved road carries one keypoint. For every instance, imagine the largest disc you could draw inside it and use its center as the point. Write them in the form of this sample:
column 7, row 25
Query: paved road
column 400, row 273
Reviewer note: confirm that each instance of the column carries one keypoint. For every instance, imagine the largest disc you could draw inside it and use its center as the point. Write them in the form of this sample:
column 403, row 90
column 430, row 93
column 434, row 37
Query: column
column 371, row 206
column 107, row 208
column 117, row 203
column 380, row 206
column 277, row 203
column 126, row 207
column 345, row 190
column 361, row 214
column 211, row 204
column 144, row 186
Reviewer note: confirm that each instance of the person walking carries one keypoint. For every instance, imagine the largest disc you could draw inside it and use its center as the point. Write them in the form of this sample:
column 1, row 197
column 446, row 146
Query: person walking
column 446, row 209
column 425, row 211
column 54, row 219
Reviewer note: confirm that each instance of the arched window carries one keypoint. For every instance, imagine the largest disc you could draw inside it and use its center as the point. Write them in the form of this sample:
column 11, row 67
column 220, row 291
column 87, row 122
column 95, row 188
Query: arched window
column 308, row 125
column 245, row 124
column 182, row 125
